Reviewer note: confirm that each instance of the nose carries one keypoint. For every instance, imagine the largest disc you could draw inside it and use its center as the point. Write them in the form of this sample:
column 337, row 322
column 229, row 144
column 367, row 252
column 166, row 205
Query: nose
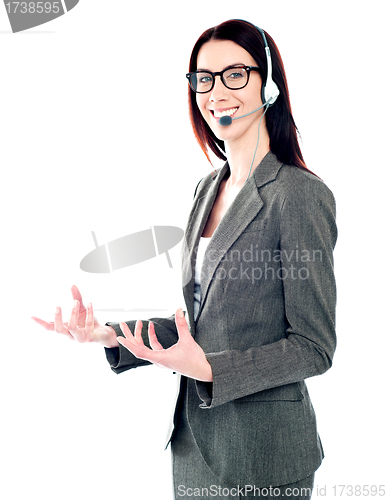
column 219, row 91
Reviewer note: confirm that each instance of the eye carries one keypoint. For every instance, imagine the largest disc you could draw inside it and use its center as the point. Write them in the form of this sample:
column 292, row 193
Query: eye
column 235, row 75
column 205, row 79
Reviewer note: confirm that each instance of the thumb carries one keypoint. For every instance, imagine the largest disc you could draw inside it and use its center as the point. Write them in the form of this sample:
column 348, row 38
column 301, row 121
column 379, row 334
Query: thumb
column 181, row 323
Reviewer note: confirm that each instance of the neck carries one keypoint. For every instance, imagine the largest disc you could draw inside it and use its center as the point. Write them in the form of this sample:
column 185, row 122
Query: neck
column 240, row 156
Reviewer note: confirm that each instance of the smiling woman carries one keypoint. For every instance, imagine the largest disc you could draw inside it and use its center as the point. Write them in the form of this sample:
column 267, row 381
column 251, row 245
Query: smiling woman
column 279, row 120
column 260, row 316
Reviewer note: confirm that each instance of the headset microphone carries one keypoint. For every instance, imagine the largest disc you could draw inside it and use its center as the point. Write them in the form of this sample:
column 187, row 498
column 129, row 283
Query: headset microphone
column 227, row 120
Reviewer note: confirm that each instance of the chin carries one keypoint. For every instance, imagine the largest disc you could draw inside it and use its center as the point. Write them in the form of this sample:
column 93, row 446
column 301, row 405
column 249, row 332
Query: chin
column 226, row 133
column 222, row 133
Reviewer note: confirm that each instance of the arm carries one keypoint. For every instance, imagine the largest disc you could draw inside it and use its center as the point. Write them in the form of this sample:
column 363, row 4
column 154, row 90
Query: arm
column 165, row 342
column 307, row 222
column 121, row 359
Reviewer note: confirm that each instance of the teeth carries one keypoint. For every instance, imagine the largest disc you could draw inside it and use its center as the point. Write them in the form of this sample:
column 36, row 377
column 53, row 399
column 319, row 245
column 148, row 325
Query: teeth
column 228, row 112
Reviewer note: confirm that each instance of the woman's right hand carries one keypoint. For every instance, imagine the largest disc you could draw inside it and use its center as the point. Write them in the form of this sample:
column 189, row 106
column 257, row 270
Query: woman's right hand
column 82, row 326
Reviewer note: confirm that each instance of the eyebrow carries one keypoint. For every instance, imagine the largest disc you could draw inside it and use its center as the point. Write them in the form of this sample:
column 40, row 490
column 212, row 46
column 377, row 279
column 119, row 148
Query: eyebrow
column 227, row 67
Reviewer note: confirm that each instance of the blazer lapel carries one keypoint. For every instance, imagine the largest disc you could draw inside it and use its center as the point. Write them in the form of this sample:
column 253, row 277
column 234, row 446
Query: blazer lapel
column 195, row 227
column 242, row 211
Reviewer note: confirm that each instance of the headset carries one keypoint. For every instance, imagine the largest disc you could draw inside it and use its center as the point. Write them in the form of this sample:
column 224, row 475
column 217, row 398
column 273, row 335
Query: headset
column 269, row 92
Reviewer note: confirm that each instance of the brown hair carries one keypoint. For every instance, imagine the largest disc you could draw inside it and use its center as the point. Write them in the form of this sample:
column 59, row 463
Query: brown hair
column 279, row 120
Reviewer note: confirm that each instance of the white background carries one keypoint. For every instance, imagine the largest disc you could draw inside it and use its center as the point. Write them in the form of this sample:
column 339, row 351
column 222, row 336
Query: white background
column 91, row 139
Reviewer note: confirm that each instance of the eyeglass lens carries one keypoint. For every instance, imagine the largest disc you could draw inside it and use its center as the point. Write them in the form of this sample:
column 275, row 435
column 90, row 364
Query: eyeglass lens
column 233, row 78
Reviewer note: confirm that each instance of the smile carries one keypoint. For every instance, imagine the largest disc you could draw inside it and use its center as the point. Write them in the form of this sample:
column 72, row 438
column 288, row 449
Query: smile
column 225, row 112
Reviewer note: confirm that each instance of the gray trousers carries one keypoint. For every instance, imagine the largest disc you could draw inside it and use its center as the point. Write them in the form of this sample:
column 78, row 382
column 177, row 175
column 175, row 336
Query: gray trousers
column 192, row 478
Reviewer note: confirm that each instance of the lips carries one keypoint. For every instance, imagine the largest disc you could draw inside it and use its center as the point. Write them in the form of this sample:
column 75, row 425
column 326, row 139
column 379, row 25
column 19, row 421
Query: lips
column 218, row 113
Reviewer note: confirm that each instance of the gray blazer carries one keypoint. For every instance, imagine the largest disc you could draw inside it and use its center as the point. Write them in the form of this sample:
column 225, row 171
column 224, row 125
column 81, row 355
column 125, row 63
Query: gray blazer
column 266, row 323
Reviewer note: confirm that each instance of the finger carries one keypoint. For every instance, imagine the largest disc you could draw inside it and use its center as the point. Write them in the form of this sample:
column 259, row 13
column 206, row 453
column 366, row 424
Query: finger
column 59, row 327
column 134, row 344
column 89, row 325
column 126, row 331
column 153, row 341
column 77, row 296
column 58, row 322
column 138, row 332
column 73, row 323
column 44, row 324
column 139, row 351
column 130, row 344
column 181, row 324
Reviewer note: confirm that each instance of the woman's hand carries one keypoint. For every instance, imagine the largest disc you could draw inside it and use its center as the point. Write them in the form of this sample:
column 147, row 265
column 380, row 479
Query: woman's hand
column 82, row 326
column 185, row 357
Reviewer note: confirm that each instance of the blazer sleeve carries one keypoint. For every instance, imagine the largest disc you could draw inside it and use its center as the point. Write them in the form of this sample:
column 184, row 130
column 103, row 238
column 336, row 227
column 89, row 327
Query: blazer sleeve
column 307, row 221
column 120, row 359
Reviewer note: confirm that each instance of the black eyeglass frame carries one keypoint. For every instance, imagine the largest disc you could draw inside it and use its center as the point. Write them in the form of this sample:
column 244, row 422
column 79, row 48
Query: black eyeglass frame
column 221, row 73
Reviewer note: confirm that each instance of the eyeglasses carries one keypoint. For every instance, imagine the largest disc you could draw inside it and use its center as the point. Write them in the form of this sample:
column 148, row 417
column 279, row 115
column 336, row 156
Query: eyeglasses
column 234, row 78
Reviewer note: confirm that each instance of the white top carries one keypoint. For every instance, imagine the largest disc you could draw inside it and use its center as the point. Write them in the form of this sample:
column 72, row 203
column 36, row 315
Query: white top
column 203, row 244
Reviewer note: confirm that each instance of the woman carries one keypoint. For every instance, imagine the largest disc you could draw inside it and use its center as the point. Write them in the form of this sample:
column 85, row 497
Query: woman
column 258, row 285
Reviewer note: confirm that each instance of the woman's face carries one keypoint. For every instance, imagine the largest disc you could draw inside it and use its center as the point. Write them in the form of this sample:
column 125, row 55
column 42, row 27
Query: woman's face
column 217, row 55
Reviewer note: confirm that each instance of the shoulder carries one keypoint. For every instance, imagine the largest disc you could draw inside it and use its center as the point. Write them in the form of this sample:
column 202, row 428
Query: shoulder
column 205, row 184
column 202, row 184
column 307, row 205
column 303, row 187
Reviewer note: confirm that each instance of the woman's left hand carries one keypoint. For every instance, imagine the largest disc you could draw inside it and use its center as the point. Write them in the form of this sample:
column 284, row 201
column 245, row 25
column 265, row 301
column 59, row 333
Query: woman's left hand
column 185, row 357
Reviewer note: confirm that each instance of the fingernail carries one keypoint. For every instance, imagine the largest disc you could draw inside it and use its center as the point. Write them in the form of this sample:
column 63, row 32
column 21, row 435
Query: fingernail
column 57, row 310
column 180, row 313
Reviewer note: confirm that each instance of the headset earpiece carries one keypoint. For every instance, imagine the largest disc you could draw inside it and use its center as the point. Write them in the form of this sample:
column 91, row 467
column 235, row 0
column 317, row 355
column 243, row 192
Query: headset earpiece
column 270, row 91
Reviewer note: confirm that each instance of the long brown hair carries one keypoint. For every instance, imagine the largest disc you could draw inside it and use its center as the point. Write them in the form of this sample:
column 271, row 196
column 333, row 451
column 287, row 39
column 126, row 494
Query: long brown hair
column 279, row 120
